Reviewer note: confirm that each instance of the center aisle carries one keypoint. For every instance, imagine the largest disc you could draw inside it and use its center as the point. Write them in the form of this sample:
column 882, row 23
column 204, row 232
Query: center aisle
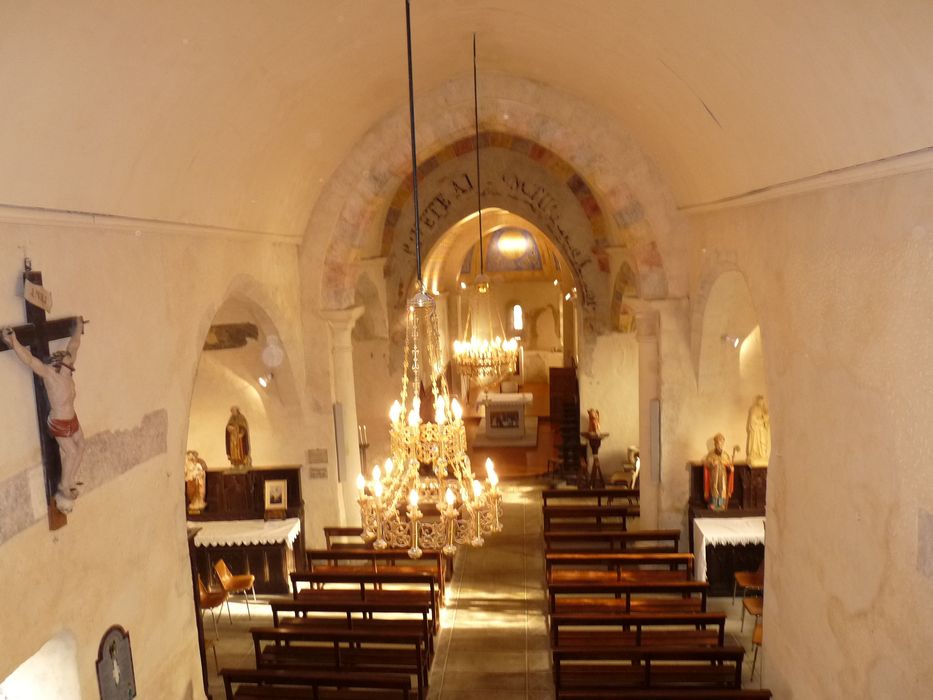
column 494, row 641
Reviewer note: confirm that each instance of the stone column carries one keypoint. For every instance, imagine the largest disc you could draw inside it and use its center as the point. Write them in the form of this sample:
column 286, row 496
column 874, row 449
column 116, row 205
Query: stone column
column 341, row 322
column 647, row 327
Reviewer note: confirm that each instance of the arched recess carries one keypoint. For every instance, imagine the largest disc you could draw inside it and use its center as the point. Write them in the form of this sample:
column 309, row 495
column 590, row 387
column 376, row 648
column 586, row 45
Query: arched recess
column 350, row 215
column 241, row 346
column 730, row 358
column 519, row 177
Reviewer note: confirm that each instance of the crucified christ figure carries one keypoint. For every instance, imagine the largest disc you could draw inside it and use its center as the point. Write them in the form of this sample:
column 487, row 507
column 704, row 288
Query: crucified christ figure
column 58, row 378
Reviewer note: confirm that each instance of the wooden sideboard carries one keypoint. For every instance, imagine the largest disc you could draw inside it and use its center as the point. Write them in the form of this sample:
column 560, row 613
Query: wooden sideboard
column 235, row 494
column 748, row 500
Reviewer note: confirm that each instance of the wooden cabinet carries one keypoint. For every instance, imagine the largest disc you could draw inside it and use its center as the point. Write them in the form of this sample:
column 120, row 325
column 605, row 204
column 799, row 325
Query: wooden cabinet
column 239, row 495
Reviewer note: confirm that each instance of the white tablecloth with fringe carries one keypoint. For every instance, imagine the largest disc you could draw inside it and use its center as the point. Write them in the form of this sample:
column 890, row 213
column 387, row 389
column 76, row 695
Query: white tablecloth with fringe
column 243, row 532
column 716, row 531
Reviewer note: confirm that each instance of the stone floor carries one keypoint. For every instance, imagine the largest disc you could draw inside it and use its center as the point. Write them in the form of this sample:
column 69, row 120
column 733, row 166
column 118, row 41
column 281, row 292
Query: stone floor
column 493, row 642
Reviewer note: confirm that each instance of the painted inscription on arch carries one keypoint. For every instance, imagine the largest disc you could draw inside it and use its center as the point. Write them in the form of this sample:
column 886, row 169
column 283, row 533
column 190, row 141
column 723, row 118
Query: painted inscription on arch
column 511, row 186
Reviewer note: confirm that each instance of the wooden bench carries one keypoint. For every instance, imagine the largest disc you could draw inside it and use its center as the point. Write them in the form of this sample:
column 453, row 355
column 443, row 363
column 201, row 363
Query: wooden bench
column 321, row 685
column 592, row 518
column 357, row 614
column 669, row 694
column 644, row 541
column 375, row 561
column 608, row 567
column 620, row 631
column 626, row 597
column 336, row 537
column 384, row 587
column 643, row 668
column 342, row 650
column 589, row 495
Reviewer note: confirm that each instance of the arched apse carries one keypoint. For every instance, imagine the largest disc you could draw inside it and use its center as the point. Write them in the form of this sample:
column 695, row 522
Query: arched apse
column 731, row 364
column 348, row 221
column 242, row 345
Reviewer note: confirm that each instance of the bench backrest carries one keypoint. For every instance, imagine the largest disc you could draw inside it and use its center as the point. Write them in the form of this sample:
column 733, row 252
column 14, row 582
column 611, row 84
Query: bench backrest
column 637, row 540
column 696, row 592
column 376, row 561
column 583, row 517
column 338, row 537
column 638, row 624
column 617, row 561
column 269, row 679
column 599, row 495
column 655, row 666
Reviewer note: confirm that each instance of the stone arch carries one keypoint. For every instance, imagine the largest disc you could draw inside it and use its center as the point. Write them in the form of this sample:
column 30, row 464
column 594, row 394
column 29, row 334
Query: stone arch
column 350, row 214
column 518, row 176
column 247, row 292
column 715, row 267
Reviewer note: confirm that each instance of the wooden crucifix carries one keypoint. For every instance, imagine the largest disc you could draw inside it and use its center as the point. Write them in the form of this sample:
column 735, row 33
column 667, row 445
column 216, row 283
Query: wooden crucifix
column 60, row 435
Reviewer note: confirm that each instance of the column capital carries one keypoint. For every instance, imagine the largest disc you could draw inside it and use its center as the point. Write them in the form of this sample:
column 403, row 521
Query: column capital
column 341, row 322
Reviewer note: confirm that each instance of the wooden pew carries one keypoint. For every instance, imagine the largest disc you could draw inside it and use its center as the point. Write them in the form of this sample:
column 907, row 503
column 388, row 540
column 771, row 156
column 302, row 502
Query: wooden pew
column 322, row 685
column 625, row 597
column 336, row 537
column 670, row 694
column 592, row 518
column 607, row 567
column 376, row 561
column 639, row 668
column 342, row 650
column 588, row 496
column 357, row 614
column 643, row 541
column 384, row 587
column 620, row 631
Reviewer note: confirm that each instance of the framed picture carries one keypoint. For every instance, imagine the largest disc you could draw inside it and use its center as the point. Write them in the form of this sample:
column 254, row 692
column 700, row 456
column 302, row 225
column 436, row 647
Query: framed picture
column 503, row 419
column 276, row 494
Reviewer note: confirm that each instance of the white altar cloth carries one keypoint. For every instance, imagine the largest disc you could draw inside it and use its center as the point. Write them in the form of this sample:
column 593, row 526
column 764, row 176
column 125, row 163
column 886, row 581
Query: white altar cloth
column 716, row 531
column 243, row 532
column 486, row 399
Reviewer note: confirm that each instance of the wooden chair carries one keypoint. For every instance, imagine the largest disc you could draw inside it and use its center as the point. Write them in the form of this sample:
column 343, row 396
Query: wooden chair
column 750, row 581
column 208, row 601
column 756, row 642
column 754, row 606
column 235, row 584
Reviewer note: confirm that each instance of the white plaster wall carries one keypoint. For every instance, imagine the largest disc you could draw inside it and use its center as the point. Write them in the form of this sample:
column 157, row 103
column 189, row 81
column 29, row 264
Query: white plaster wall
column 123, row 556
column 612, row 388
column 841, row 280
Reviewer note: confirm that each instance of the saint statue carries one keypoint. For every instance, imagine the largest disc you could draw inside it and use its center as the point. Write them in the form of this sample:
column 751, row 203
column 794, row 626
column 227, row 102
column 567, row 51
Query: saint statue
column 592, row 415
column 195, row 482
column 718, row 475
column 58, row 378
column 238, row 440
column 758, row 428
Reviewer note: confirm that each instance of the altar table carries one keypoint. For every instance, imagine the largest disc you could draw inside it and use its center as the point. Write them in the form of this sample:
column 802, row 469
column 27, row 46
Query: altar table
column 505, row 414
column 723, row 531
column 263, row 548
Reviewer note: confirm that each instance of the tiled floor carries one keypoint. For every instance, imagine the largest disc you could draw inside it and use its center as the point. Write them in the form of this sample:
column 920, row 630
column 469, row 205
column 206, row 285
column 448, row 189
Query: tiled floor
column 493, row 642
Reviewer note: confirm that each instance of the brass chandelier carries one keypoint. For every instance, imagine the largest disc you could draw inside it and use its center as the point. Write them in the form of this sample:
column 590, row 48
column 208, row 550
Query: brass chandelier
column 426, row 496
column 483, row 355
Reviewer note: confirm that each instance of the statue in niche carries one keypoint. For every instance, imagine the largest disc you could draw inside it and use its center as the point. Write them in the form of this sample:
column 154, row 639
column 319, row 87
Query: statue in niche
column 237, row 437
column 593, row 416
column 718, row 475
column 758, row 427
column 195, row 482
column 58, row 377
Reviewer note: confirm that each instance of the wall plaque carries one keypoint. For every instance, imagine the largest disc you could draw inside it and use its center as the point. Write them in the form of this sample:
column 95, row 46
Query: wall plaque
column 115, row 676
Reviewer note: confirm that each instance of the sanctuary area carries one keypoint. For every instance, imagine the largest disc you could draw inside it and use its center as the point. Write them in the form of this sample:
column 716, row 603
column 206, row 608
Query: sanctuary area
column 440, row 349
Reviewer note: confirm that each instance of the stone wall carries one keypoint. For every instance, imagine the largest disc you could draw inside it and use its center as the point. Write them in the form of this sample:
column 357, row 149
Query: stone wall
column 841, row 281
column 122, row 559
